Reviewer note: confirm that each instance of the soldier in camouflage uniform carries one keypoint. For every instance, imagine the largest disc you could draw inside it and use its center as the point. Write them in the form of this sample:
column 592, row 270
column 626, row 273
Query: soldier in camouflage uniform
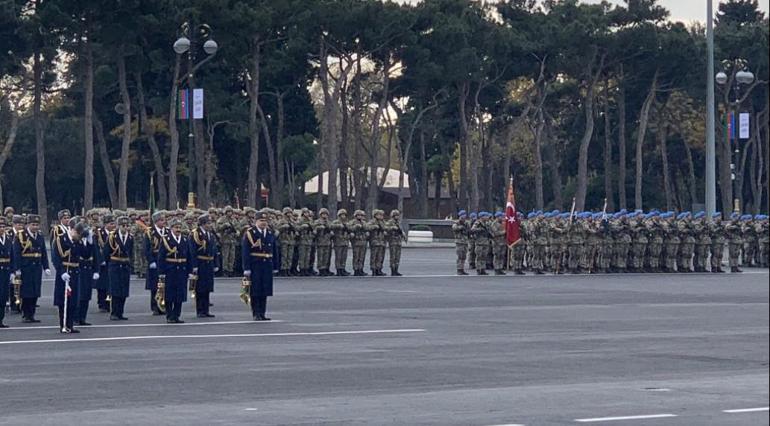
column 750, row 244
column 593, row 242
column 718, row 240
column 734, row 230
column 672, row 242
column 287, row 237
column 606, row 245
column 655, row 245
column 395, row 238
column 762, row 229
column 481, row 236
column 341, row 237
column 638, row 243
column 687, row 246
column 472, row 242
column 305, row 239
column 360, row 236
column 227, row 228
column 622, row 242
column 137, row 231
column 520, row 247
column 499, row 243
column 323, row 240
column 376, row 228
column 576, row 240
column 702, row 242
column 461, row 231
column 558, row 242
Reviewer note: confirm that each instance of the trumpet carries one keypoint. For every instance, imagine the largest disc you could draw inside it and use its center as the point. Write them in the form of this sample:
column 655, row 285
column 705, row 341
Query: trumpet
column 245, row 295
column 192, row 284
column 17, row 290
column 160, row 296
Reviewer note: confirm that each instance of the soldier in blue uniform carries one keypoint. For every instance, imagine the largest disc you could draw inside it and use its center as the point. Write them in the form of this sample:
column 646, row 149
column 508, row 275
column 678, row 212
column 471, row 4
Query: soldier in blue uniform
column 6, row 269
column 102, row 284
column 257, row 258
column 67, row 251
column 204, row 259
column 117, row 254
column 152, row 243
column 175, row 263
column 89, row 272
column 30, row 259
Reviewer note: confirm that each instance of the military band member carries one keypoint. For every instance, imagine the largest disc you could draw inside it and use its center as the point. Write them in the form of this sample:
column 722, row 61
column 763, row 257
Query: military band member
column 153, row 242
column 89, row 272
column 117, row 254
column 63, row 226
column 6, row 269
column 175, row 263
column 341, row 236
column 30, row 259
column 66, row 255
column 256, row 256
column 8, row 213
column 102, row 285
column 204, row 264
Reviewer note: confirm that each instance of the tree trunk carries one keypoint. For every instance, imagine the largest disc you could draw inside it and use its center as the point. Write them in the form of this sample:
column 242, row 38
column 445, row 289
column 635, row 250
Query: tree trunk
column 278, row 194
column 585, row 142
column 173, row 162
column 37, row 116
column 553, row 165
column 149, row 132
column 422, row 196
column 7, row 147
column 644, row 116
column 691, row 184
column 464, row 143
column 608, row 194
column 622, row 142
column 437, row 199
column 538, row 136
column 253, row 91
column 126, row 145
column 667, row 187
column 109, row 175
column 88, row 125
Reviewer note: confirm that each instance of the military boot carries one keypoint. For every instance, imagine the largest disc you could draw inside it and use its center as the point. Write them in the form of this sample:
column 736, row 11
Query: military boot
column 499, row 272
column 481, row 272
column 461, row 272
column 394, row 272
column 735, row 269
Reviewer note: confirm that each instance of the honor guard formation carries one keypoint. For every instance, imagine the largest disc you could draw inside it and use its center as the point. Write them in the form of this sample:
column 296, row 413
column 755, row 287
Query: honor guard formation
column 178, row 253
column 590, row 243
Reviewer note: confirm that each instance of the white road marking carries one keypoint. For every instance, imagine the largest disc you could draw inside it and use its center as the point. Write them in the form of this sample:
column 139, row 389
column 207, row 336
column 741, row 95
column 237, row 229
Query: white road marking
column 613, row 419
column 214, row 336
column 43, row 327
column 510, row 424
column 251, row 409
column 746, row 410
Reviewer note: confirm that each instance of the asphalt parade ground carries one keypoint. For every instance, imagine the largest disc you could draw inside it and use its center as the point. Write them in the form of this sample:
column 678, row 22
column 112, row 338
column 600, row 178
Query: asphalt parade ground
column 426, row 348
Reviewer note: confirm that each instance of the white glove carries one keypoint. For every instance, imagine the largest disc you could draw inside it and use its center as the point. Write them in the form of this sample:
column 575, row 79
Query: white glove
column 104, row 263
column 195, row 270
column 190, row 276
column 18, row 272
column 246, row 273
column 153, row 265
column 12, row 276
column 96, row 276
column 68, row 289
column 216, row 269
column 65, row 276
column 47, row 272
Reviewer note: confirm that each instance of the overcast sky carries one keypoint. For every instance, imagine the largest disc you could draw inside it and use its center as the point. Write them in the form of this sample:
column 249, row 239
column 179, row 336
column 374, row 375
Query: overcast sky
column 681, row 10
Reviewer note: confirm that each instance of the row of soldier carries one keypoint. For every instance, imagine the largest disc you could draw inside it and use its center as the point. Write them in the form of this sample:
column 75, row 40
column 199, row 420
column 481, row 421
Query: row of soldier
column 587, row 242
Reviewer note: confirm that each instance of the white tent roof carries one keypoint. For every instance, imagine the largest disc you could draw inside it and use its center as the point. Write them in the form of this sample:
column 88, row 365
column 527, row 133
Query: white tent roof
column 391, row 182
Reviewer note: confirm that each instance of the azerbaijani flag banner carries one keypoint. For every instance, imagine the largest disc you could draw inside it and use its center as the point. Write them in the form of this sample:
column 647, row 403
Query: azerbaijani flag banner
column 512, row 224
column 184, row 105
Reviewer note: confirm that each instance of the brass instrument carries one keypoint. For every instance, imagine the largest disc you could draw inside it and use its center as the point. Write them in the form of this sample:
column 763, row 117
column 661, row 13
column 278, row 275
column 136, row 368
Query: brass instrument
column 17, row 290
column 246, row 291
column 160, row 296
column 192, row 284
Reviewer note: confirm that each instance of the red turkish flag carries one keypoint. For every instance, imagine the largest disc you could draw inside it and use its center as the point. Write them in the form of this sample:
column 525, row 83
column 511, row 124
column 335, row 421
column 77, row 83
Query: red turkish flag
column 512, row 231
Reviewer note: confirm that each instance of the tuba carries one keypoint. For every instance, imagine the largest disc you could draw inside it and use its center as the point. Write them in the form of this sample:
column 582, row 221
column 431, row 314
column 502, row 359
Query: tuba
column 245, row 295
column 17, row 290
column 192, row 284
column 160, row 296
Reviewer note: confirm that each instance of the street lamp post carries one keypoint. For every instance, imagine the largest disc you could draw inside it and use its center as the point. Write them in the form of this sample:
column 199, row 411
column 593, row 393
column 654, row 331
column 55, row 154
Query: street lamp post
column 185, row 44
column 742, row 77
